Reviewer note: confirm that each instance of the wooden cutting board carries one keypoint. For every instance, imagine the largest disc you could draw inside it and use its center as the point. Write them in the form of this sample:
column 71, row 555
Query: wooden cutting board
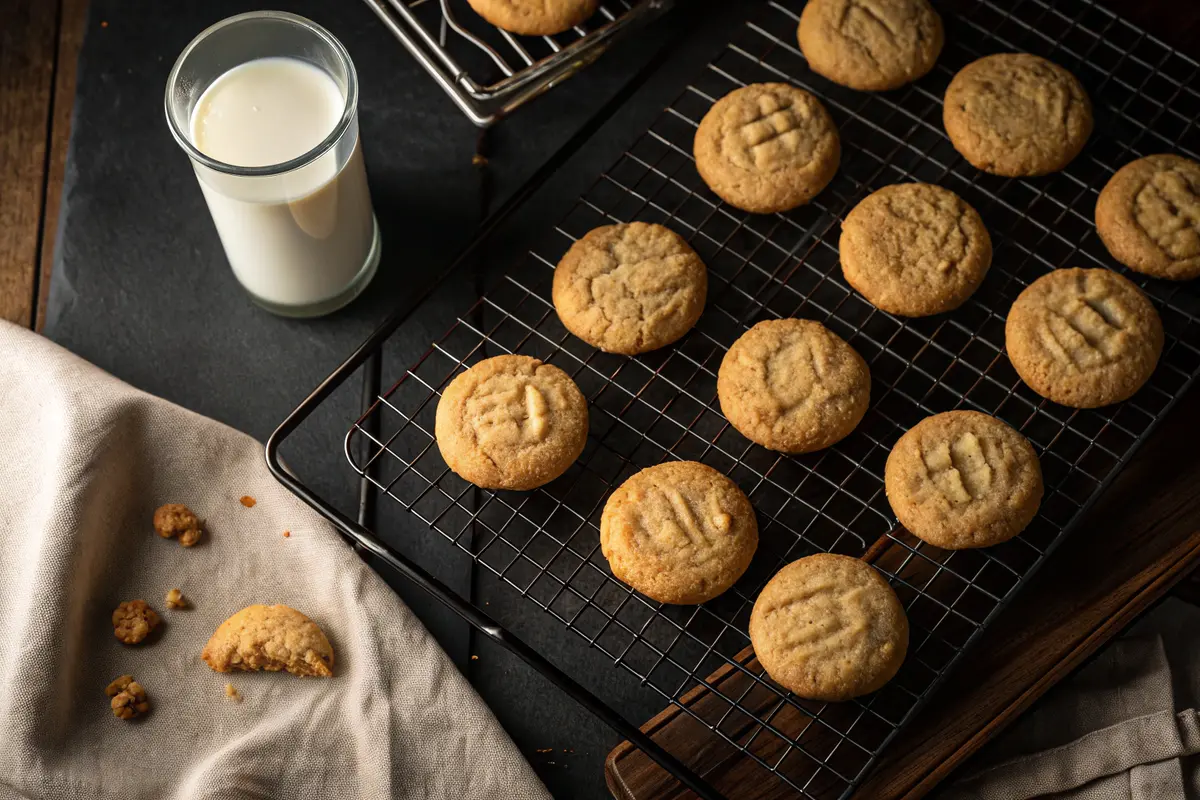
column 1139, row 540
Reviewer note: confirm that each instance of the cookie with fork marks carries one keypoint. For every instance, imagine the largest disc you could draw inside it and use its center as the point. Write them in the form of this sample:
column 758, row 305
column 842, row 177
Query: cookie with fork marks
column 963, row 479
column 793, row 385
column 1083, row 338
column 1148, row 216
column 829, row 627
column 870, row 45
column 767, row 147
column 679, row 532
column 511, row 422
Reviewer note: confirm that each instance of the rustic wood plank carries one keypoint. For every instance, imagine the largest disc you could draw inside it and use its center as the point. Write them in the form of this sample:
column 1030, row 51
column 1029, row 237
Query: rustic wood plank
column 28, row 38
column 1096, row 583
column 73, row 22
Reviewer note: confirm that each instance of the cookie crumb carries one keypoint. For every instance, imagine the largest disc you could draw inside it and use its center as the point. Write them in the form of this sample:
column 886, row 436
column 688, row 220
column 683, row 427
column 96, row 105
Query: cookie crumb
column 248, row 501
column 133, row 621
column 175, row 599
column 129, row 698
column 232, row 693
column 177, row 520
column 118, row 686
column 287, row 534
column 474, row 658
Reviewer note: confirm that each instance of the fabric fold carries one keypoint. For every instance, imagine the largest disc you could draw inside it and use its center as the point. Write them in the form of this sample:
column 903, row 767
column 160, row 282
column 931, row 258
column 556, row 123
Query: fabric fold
column 84, row 461
column 1125, row 727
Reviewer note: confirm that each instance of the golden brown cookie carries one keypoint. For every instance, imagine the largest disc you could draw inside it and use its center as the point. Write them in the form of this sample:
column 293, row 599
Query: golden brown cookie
column 829, row 627
column 793, row 385
column 1083, row 337
column 177, row 520
column 133, row 621
column 914, row 249
column 1148, row 216
column 271, row 638
column 679, row 532
column 767, row 147
column 963, row 479
column 511, row 422
column 870, row 45
column 1017, row 114
column 535, row 17
column 630, row 288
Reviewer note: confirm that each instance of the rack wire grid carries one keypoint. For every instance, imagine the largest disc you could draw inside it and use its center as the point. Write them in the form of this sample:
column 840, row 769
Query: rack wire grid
column 487, row 71
column 663, row 405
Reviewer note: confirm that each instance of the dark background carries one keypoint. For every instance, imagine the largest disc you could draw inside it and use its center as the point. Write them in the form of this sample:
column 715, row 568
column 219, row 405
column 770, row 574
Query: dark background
column 140, row 285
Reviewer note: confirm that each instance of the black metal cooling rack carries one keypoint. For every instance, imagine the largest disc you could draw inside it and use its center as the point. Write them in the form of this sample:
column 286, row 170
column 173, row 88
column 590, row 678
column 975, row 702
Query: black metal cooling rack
column 487, row 71
column 660, row 406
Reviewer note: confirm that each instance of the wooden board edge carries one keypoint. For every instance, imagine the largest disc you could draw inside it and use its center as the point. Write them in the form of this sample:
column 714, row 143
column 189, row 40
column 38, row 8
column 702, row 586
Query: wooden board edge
column 1155, row 589
column 1152, row 592
column 73, row 17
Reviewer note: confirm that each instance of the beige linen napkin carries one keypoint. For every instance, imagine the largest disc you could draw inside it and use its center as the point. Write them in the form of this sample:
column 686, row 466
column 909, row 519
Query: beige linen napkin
column 1124, row 728
column 84, row 461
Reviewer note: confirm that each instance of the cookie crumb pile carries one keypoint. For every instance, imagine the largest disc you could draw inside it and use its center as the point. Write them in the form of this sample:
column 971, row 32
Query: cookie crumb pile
column 133, row 621
column 175, row 520
column 128, row 698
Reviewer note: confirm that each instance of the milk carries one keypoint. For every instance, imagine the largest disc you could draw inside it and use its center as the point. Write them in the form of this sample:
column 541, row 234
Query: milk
column 299, row 238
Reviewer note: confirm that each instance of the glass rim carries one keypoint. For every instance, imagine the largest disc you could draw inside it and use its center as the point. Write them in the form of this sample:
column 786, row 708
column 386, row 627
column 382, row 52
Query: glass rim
column 184, row 139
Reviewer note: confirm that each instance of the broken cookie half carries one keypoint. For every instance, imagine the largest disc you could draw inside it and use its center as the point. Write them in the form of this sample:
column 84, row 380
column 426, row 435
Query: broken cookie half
column 271, row 638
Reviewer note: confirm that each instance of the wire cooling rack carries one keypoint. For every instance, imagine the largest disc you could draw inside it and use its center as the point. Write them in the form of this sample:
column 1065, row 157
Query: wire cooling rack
column 662, row 405
column 487, row 71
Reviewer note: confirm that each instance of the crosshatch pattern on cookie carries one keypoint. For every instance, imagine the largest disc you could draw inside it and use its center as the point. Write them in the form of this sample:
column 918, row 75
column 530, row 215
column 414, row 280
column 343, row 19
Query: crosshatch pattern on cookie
column 662, row 405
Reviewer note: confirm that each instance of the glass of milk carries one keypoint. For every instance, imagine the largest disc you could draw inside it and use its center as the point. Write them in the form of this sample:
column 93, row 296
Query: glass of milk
column 266, row 106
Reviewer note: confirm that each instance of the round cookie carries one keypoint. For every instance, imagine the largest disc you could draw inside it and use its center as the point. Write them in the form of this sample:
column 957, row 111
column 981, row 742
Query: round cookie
column 872, row 46
column 1017, row 114
column 1148, row 216
column 1083, row 338
column 679, row 532
column 630, row 288
column 511, row 422
column 963, row 479
column 829, row 627
column 914, row 249
column 535, row 17
column 767, row 147
column 793, row 385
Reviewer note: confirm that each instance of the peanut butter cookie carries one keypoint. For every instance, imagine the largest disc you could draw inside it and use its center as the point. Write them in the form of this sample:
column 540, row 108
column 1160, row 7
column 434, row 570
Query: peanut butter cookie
column 1148, row 216
column 1017, row 114
column 914, row 249
column 793, row 385
column 679, row 532
column 270, row 638
column 767, row 147
column 1083, row 337
column 963, row 479
column 511, row 422
column 829, row 627
column 630, row 288
column 175, row 520
column 535, row 17
column 870, row 45
column 133, row 621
